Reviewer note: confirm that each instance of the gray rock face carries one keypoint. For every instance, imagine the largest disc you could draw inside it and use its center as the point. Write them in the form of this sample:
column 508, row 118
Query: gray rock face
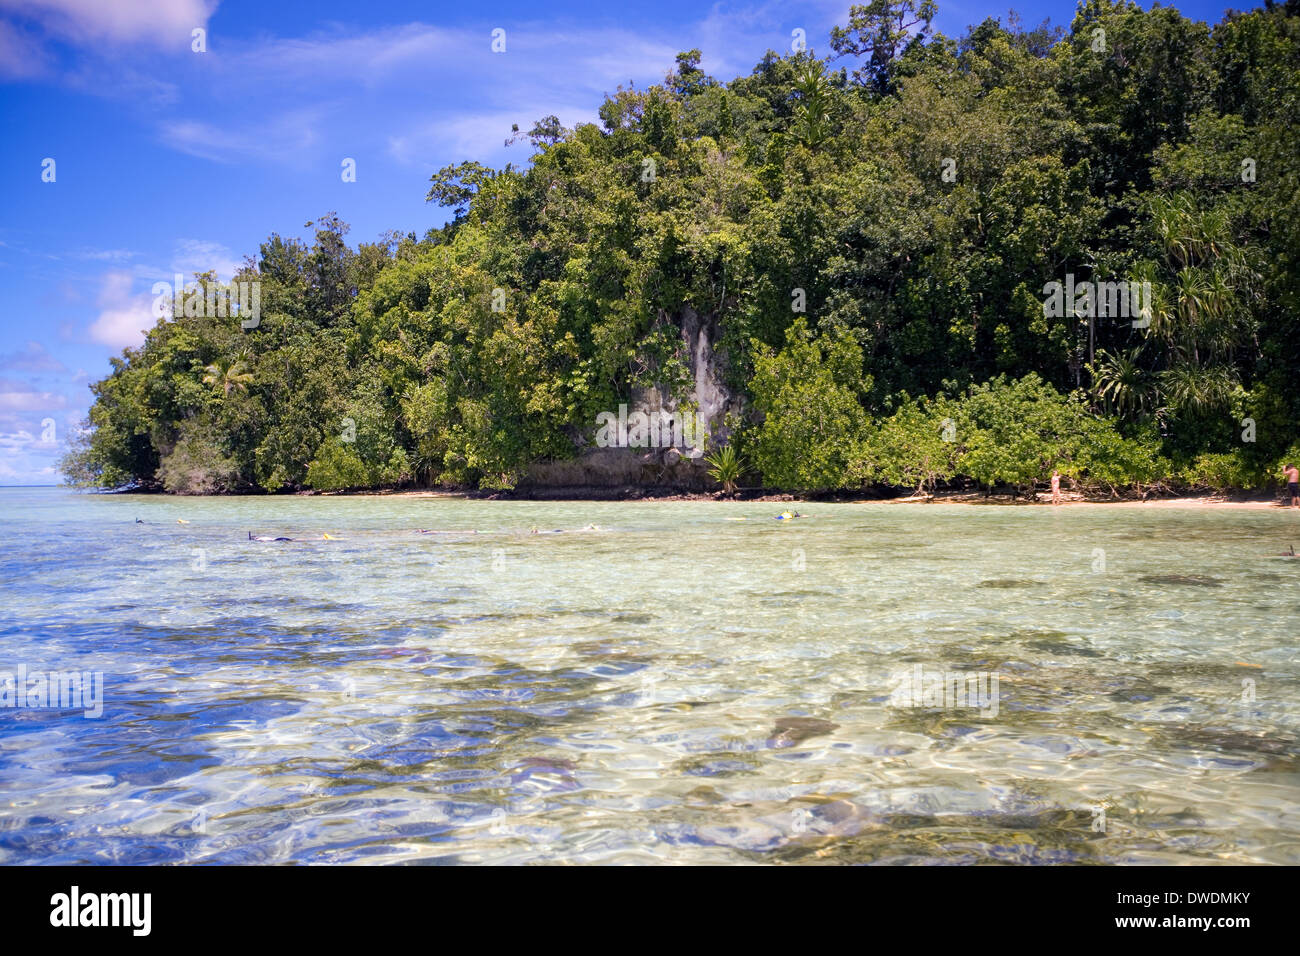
column 664, row 465
column 708, row 368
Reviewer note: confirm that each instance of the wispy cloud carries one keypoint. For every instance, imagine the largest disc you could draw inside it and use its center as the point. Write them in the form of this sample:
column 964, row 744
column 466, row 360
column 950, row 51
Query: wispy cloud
column 201, row 255
column 126, row 299
column 332, row 92
column 34, row 428
column 22, row 56
column 104, row 255
column 32, row 358
column 92, row 45
column 288, row 136
column 480, row 135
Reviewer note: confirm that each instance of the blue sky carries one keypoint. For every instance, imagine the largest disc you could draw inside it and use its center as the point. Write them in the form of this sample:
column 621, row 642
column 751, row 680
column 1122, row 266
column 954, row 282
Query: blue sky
column 168, row 160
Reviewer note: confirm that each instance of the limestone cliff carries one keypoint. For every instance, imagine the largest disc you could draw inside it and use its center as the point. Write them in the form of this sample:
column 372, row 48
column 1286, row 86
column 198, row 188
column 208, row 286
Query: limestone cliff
column 662, row 463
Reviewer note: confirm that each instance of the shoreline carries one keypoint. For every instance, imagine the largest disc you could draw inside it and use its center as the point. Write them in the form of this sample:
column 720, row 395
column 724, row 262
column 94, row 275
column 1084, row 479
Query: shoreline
column 1244, row 502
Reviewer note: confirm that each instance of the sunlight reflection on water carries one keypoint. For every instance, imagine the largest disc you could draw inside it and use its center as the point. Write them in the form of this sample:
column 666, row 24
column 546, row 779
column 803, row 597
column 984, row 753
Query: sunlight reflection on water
column 674, row 686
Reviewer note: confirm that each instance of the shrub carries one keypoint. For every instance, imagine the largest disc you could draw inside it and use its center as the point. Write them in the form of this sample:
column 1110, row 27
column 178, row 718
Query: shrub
column 1221, row 471
column 337, row 466
column 917, row 446
column 811, row 417
column 198, row 463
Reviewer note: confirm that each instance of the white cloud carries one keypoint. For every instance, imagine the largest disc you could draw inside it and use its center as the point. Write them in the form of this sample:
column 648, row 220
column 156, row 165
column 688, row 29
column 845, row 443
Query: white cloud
column 123, row 327
column 17, row 398
column 337, row 92
column 34, row 428
column 355, row 57
column 117, row 78
column 547, row 69
column 15, row 442
column 161, row 23
column 124, row 316
column 187, row 257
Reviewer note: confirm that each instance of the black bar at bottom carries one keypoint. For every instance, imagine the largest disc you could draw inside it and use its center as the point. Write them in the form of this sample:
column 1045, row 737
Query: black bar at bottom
column 334, row 905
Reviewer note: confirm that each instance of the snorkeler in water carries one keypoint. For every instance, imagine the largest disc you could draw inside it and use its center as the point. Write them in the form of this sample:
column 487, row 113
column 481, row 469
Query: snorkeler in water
column 265, row 537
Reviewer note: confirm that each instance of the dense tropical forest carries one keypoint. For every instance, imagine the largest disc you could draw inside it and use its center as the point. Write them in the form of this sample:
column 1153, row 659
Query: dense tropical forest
column 867, row 237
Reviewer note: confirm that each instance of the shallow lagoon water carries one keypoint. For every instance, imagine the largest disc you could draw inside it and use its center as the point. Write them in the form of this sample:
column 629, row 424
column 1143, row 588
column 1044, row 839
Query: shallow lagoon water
column 676, row 686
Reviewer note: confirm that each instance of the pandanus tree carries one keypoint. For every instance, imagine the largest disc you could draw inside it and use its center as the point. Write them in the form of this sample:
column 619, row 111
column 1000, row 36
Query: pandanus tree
column 1121, row 384
column 813, row 113
column 1197, row 389
column 725, row 467
column 1200, row 312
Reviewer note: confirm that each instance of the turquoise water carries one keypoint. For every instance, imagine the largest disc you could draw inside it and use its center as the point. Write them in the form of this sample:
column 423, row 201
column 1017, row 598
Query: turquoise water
column 675, row 686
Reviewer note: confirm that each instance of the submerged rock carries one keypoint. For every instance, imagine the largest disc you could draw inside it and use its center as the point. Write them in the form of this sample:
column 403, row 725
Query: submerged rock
column 551, row 773
column 1236, row 741
column 793, row 730
column 1063, row 647
column 1192, row 580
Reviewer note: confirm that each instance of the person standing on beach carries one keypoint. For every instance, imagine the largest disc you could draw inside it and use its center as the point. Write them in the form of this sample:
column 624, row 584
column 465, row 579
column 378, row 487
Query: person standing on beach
column 1056, row 487
column 1293, row 484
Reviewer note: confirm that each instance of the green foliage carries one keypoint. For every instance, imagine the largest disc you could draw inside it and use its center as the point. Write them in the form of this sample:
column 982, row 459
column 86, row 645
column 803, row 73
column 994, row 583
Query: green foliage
column 78, row 464
column 1007, row 433
column 725, row 467
column 879, row 31
column 1018, row 432
column 456, row 186
column 813, row 114
column 337, row 466
column 1223, row 471
column 812, row 418
column 198, row 464
column 916, row 446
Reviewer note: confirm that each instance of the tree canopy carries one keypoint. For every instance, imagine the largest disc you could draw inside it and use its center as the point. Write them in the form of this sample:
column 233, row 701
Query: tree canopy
column 870, row 236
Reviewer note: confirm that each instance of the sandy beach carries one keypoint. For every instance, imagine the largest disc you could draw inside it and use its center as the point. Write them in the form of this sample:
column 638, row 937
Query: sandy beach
column 1189, row 502
column 1255, row 502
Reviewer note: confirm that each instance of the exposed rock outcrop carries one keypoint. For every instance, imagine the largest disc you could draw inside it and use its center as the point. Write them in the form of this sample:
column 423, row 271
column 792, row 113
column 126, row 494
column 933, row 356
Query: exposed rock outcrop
column 659, row 460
